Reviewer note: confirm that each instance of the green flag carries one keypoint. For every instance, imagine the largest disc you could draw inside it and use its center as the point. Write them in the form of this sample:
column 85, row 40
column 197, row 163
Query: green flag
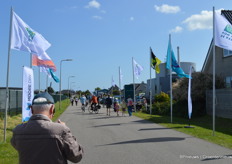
column 155, row 62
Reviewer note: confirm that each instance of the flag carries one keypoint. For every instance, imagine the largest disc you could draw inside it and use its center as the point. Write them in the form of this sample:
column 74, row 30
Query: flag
column 189, row 95
column 137, row 69
column 44, row 61
column 175, row 66
column 155, row 62
column 24, row 38
column 55, row 78
column 112, row 82
column 49, row 73
column 120, row 74
column 28, row 93
column 223, row 32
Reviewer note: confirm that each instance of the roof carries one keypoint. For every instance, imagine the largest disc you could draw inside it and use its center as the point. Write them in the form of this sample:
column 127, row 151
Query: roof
column 227, row 14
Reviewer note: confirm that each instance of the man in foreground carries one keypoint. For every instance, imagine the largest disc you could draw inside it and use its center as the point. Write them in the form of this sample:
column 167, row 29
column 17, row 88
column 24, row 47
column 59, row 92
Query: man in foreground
column 41, row 141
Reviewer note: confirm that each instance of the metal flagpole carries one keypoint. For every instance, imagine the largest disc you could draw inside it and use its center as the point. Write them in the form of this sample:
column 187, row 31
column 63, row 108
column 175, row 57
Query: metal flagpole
column 150, row 85
column 7, row 77
column 120, row 84
column 47, row 83
column 170, row 76
column 39, row 78
column 213, row 71
column 133, row 82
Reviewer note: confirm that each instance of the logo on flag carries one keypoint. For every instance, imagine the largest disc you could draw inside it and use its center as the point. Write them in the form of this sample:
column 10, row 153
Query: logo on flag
column 223, row 32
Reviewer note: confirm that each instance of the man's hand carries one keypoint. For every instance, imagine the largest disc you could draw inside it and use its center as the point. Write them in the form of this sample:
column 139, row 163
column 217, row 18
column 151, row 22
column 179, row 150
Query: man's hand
column 61, row 122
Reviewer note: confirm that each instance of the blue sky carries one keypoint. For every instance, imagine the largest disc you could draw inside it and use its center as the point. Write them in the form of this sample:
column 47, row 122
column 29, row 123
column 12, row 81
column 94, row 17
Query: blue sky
column 101, row 35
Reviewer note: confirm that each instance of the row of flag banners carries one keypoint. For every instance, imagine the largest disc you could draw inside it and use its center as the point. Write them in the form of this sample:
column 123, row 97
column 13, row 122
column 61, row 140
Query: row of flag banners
column 24, row 38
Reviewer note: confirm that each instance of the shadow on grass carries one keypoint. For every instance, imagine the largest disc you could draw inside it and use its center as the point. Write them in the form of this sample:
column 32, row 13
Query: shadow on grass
column 221, row 124
column 148, row 140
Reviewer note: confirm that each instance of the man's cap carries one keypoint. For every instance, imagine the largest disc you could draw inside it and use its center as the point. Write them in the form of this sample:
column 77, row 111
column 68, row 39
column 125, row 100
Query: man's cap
column 43, row 98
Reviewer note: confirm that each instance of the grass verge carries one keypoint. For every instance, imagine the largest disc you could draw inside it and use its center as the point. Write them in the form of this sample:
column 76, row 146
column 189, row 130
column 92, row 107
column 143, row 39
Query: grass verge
column 202, row 127
column 8, row 155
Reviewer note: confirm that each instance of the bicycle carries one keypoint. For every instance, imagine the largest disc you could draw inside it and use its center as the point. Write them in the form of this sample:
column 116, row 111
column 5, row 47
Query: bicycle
column 83, row 107
column 94, row 108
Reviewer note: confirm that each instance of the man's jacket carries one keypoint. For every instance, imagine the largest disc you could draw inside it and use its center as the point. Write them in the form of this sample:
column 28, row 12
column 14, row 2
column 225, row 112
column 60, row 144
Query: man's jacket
column 41, row 141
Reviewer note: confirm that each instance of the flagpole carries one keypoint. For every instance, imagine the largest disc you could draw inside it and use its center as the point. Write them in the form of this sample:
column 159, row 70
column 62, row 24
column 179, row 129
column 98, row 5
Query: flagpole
column 119, row 84
column 39, row 78
column 133, row 82
column 213, row 71
column 170, row 77
column 7, row 77
column 150, row 85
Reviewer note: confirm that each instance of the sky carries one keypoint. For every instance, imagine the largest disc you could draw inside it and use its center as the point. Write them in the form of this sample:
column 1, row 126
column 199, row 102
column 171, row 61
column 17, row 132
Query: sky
column 103, row 35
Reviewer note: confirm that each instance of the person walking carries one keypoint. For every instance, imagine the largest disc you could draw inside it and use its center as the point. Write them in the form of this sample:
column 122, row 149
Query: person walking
column 108, row 103
column 129, row 105
column 76, row 100
column 42, row 141
column 123, row 106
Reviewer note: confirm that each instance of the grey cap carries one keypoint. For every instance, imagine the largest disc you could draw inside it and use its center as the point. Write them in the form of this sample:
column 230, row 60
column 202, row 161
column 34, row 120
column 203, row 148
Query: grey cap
column 43, row 98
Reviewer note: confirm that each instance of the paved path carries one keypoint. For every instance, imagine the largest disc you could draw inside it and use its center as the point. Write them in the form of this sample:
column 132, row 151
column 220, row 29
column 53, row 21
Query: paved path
column 131, row 140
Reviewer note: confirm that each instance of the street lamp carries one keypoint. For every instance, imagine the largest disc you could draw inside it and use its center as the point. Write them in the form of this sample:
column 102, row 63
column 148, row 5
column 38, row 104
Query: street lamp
column 68, row 85
column 60, row 77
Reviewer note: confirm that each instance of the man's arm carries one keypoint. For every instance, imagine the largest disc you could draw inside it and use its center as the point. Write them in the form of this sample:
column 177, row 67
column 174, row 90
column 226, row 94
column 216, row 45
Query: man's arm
column 72, row 149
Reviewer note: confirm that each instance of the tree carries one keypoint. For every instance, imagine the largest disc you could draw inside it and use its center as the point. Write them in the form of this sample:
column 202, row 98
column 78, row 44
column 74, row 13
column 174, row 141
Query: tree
column 50, row 90
column 97, row 89
column 200, row 83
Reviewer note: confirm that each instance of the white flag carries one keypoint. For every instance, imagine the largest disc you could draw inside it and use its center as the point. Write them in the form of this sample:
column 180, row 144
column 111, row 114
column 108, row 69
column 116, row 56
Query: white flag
column 189, row 95
column 112, row 82
column 120, row 74
column 223, row 32
column 24, row 38
column 28, row 93
column 137, row 69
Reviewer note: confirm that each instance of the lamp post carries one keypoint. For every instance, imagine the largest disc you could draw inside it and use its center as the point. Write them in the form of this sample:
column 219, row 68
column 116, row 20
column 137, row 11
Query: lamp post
column 60, row 78
column 68, row 85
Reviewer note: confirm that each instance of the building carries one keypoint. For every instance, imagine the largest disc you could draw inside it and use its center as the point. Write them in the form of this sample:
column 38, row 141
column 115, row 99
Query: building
column 162, row 81
column 223, row 63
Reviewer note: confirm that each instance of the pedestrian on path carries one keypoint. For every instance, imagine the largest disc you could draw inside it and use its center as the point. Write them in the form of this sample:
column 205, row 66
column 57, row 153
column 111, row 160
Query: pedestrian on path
column 76, row 100
column 129, row 105
column 123, row 106
column 117, row 107
column 108, row 105
column 42, row 141
column 71, row 100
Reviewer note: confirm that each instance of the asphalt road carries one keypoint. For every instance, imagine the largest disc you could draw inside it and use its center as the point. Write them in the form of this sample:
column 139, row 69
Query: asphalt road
column 131, row 140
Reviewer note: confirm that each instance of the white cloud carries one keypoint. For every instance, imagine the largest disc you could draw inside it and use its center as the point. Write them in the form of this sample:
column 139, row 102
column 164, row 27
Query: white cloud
column 200, row 21
column 167, row 9
column 132, row 18
column 93, row 4
column 177, row 29
column 97, row 17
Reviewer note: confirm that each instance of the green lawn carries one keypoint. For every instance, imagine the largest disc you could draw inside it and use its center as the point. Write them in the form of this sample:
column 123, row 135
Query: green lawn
column 202, row 127
column 8, row 155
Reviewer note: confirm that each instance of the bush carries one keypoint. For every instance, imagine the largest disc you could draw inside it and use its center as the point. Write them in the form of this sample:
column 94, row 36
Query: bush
column 162, row 97
column 161, row 108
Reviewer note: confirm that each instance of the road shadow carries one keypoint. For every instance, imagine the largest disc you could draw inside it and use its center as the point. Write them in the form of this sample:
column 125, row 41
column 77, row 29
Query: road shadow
column 148, row 140
column 106, row 125
column 159, row 128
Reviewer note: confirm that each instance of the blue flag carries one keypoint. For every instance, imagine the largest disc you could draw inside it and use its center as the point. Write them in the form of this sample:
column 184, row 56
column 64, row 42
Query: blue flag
column 55, row 78
column 175, row 66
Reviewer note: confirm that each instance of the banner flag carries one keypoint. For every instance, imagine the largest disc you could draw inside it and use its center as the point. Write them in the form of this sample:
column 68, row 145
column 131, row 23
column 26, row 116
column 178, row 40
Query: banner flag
column 155, row 62
column 223, row 32
column 112, row 82
column 189, row 95
column 38, row 61
column 137, row 69
column 55, row 78
column 24, row 38
column 28, row 93
column 175, row 66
